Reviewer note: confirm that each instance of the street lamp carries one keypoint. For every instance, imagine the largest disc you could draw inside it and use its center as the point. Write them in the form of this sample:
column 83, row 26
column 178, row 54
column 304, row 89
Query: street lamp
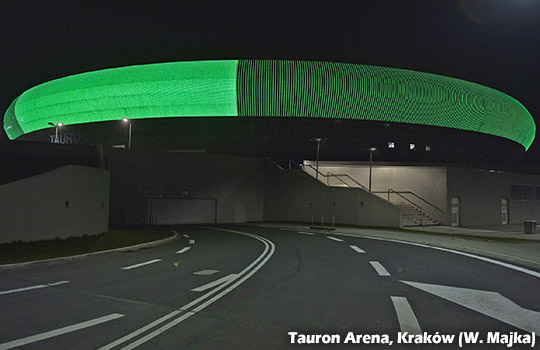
column 317, row 164
column 371, row 150
column 126, row 120
column 58, row 125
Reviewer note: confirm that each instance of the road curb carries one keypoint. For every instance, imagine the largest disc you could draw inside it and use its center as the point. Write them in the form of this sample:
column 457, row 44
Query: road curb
column 66, row 259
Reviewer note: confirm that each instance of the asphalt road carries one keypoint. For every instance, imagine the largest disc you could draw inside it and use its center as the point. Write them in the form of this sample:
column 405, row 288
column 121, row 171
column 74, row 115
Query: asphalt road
column 247, row 287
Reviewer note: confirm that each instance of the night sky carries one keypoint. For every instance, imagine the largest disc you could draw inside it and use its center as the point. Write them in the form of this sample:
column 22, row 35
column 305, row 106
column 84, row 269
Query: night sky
column 491, row 42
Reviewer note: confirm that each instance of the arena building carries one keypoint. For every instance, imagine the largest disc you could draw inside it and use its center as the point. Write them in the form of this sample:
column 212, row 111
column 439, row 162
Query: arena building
column 194, row 129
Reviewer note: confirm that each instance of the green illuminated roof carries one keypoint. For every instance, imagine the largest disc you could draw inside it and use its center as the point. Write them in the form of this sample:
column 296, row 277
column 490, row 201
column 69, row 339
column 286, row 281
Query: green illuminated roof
column 248, row 88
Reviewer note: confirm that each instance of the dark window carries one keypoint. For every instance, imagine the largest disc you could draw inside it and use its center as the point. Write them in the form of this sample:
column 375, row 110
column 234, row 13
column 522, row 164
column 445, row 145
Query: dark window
column 522, row 192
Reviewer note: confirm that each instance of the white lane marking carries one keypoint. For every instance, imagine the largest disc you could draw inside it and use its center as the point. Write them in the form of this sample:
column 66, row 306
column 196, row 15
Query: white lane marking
column 356, row 249
column 269, row 249
column 306, row 233
column 183, row 250
column 59, row 331
column 141, row 264
column 334, row 238
column 379, row 268
column 186, row 236
column 406, row 317
column 478, row 257
column 491, row 304
column 214, row 283
column 32, row 287
column 205, row 272
column 191, row 241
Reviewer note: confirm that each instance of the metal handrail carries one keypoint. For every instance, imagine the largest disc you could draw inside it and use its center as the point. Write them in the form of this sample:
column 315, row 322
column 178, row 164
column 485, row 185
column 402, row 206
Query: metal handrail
column 329, row 174
column 348, row 177
column 417, row 196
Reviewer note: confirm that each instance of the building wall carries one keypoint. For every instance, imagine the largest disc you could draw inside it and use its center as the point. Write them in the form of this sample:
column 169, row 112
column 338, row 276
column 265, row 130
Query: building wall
column 480, row 193
column 429, row 182
column 69, row 201
column 236, row 183
column 297, row 197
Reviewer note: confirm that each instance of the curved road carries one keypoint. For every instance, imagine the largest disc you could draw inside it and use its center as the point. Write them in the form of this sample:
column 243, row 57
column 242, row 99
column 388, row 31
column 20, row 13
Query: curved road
column 249, row 287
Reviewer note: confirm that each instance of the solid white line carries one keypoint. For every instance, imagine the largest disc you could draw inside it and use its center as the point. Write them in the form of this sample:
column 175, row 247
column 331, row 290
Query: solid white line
column 186, row 236
column 306, row 233
column 334, row 238
column 478, row 257
column 183, row 250
column 57, row 332
column 191, row 241
column 406, row 317
column 141, row 264
column 214, row 283
column 379, row 268
column 33, row 287
column 356, row 249
column 261, row 260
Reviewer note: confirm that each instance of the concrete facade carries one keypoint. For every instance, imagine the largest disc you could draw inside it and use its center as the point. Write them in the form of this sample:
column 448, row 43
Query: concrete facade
column 294, row 196
column 69, row 201
column 235, row 183
column 480, row 192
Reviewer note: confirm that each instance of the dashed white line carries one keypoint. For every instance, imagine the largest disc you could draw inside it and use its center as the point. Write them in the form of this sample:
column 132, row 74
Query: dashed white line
column 183, row 250
column 57, row 332
column 356, row 249
column 406, row 317
column 334, row 239
column 205, row 299
column 141, row 264
column 306, row 233
column 186, row 236
column 214, row 283
column 379, row 268
column 32, row 287
column 191, row 241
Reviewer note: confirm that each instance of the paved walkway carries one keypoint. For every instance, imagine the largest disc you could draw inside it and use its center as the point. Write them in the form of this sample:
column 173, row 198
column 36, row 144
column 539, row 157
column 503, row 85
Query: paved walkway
column 507, row 244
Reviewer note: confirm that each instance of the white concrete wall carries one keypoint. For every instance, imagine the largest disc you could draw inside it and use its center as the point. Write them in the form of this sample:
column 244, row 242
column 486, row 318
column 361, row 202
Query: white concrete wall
column 429, row 182
column 295, row 196
column 480, row 193
column 35, row 209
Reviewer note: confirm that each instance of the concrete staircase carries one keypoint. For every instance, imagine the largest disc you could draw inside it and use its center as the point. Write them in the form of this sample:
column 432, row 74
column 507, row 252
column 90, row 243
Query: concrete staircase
column 414, row 217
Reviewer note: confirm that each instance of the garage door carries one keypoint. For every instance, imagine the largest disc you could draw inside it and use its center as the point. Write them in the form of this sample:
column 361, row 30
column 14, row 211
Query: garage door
column 172, row 211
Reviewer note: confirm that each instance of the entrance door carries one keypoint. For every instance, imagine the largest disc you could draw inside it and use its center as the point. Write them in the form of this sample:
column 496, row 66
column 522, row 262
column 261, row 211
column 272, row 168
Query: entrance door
column 455, row 211
column 504, row 211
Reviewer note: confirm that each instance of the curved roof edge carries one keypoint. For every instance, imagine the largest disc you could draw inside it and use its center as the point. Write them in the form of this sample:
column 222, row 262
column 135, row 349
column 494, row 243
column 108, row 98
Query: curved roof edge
column 272, row 88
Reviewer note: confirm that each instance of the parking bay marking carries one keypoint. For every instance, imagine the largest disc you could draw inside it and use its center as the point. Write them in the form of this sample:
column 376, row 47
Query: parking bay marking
column 33, row 287
column 214, row 283
column 406, row 317
column 356, row 249
column 183, row 250
column 379, row 268
column 57, row 332
column 141, row 264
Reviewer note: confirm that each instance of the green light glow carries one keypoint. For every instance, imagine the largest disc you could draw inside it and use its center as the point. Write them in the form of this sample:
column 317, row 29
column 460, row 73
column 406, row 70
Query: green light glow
column 270, row 88
column 351, row 91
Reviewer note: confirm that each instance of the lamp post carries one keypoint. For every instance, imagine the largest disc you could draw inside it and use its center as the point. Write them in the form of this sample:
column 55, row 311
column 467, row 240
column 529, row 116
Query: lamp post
column 58, row 125
column 371, row 150
column 126, row 120
column 317, row 164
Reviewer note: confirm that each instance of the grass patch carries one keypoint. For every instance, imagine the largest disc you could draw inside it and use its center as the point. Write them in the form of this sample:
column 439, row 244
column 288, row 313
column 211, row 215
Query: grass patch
column 31, row 251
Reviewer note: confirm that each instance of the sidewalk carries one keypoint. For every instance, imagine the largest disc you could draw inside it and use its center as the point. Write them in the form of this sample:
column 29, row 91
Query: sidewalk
column 508, row 245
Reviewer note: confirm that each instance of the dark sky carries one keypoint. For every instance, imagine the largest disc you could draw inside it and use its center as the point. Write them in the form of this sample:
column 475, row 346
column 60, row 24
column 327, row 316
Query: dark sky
column 491, row 42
